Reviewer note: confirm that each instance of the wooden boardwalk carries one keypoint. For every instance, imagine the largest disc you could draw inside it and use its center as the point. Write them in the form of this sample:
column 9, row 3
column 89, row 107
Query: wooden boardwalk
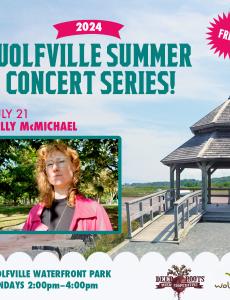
column 172, row 225
column 161, row 219
column 162, row 229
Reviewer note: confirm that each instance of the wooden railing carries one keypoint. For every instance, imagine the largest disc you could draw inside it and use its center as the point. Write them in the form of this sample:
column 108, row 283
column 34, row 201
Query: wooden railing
column 146, row 208
column 214, row 191
column 220, row 192
column 185, row 209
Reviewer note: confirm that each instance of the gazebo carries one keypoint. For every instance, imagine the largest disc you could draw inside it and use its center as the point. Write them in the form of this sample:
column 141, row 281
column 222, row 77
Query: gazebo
column 208, row 150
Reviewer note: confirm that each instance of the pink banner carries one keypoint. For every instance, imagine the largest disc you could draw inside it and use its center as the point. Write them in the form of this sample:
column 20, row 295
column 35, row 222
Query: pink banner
column 79, row 27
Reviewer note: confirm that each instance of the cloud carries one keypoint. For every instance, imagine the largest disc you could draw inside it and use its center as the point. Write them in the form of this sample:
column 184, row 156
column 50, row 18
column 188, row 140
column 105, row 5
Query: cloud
column 143, row 150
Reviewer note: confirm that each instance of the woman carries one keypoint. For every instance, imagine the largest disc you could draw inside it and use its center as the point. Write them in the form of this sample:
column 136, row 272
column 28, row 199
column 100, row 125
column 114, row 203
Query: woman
column 60, row 206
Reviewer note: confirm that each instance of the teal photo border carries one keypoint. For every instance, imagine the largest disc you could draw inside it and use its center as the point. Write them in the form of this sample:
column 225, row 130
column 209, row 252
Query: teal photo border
column 119, row 183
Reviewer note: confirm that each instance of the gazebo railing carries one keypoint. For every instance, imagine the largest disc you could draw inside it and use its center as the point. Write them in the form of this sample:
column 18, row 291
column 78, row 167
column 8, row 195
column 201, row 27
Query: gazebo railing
column 146, row 208
column 185, row 209
column 220, row 193
column 225, row 191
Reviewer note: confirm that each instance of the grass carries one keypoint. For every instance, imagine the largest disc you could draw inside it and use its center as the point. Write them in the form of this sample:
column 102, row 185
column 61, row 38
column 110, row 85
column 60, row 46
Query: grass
column 105, row 243
column 12, row 216
column 12, row 210
column 12, row 221
column 131, row 191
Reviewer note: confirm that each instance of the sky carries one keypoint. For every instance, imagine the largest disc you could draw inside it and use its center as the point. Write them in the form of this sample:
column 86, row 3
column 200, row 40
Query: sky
column 150, row 126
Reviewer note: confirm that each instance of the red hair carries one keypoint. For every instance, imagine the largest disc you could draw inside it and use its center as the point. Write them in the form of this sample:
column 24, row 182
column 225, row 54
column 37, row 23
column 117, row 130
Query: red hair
column 46, row 190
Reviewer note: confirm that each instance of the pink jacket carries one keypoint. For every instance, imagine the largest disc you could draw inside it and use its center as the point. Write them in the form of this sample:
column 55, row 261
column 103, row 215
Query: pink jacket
column 89, row 215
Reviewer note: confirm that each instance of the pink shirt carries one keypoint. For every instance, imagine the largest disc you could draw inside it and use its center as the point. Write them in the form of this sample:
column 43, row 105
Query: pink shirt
column 89, row 215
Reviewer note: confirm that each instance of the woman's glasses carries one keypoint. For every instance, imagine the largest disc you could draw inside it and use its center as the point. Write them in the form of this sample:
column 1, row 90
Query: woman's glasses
column 60, row 163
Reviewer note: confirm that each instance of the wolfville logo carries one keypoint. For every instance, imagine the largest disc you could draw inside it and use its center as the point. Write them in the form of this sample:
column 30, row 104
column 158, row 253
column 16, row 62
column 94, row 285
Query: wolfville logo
column 223, row 285
column 178, row 279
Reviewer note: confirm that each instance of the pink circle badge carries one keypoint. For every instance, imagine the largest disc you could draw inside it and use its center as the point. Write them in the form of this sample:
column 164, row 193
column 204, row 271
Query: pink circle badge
column 219, row 35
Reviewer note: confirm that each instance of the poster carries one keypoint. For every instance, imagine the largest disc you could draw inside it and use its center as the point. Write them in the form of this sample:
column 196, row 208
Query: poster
column 130, row 75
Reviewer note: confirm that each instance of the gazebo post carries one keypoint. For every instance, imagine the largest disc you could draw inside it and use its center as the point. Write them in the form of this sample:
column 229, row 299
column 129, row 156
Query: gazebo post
column 178, row 171
column 177, row 183
column 172, row 184
column 209, row 186
column 203, row 167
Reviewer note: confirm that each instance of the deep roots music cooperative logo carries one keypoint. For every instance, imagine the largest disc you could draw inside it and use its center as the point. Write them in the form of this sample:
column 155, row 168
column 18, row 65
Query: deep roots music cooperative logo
column 178, row 279
column 219, row 35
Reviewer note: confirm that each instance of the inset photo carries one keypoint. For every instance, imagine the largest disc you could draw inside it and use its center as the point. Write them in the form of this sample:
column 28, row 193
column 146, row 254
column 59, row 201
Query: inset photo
column 60, row 185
